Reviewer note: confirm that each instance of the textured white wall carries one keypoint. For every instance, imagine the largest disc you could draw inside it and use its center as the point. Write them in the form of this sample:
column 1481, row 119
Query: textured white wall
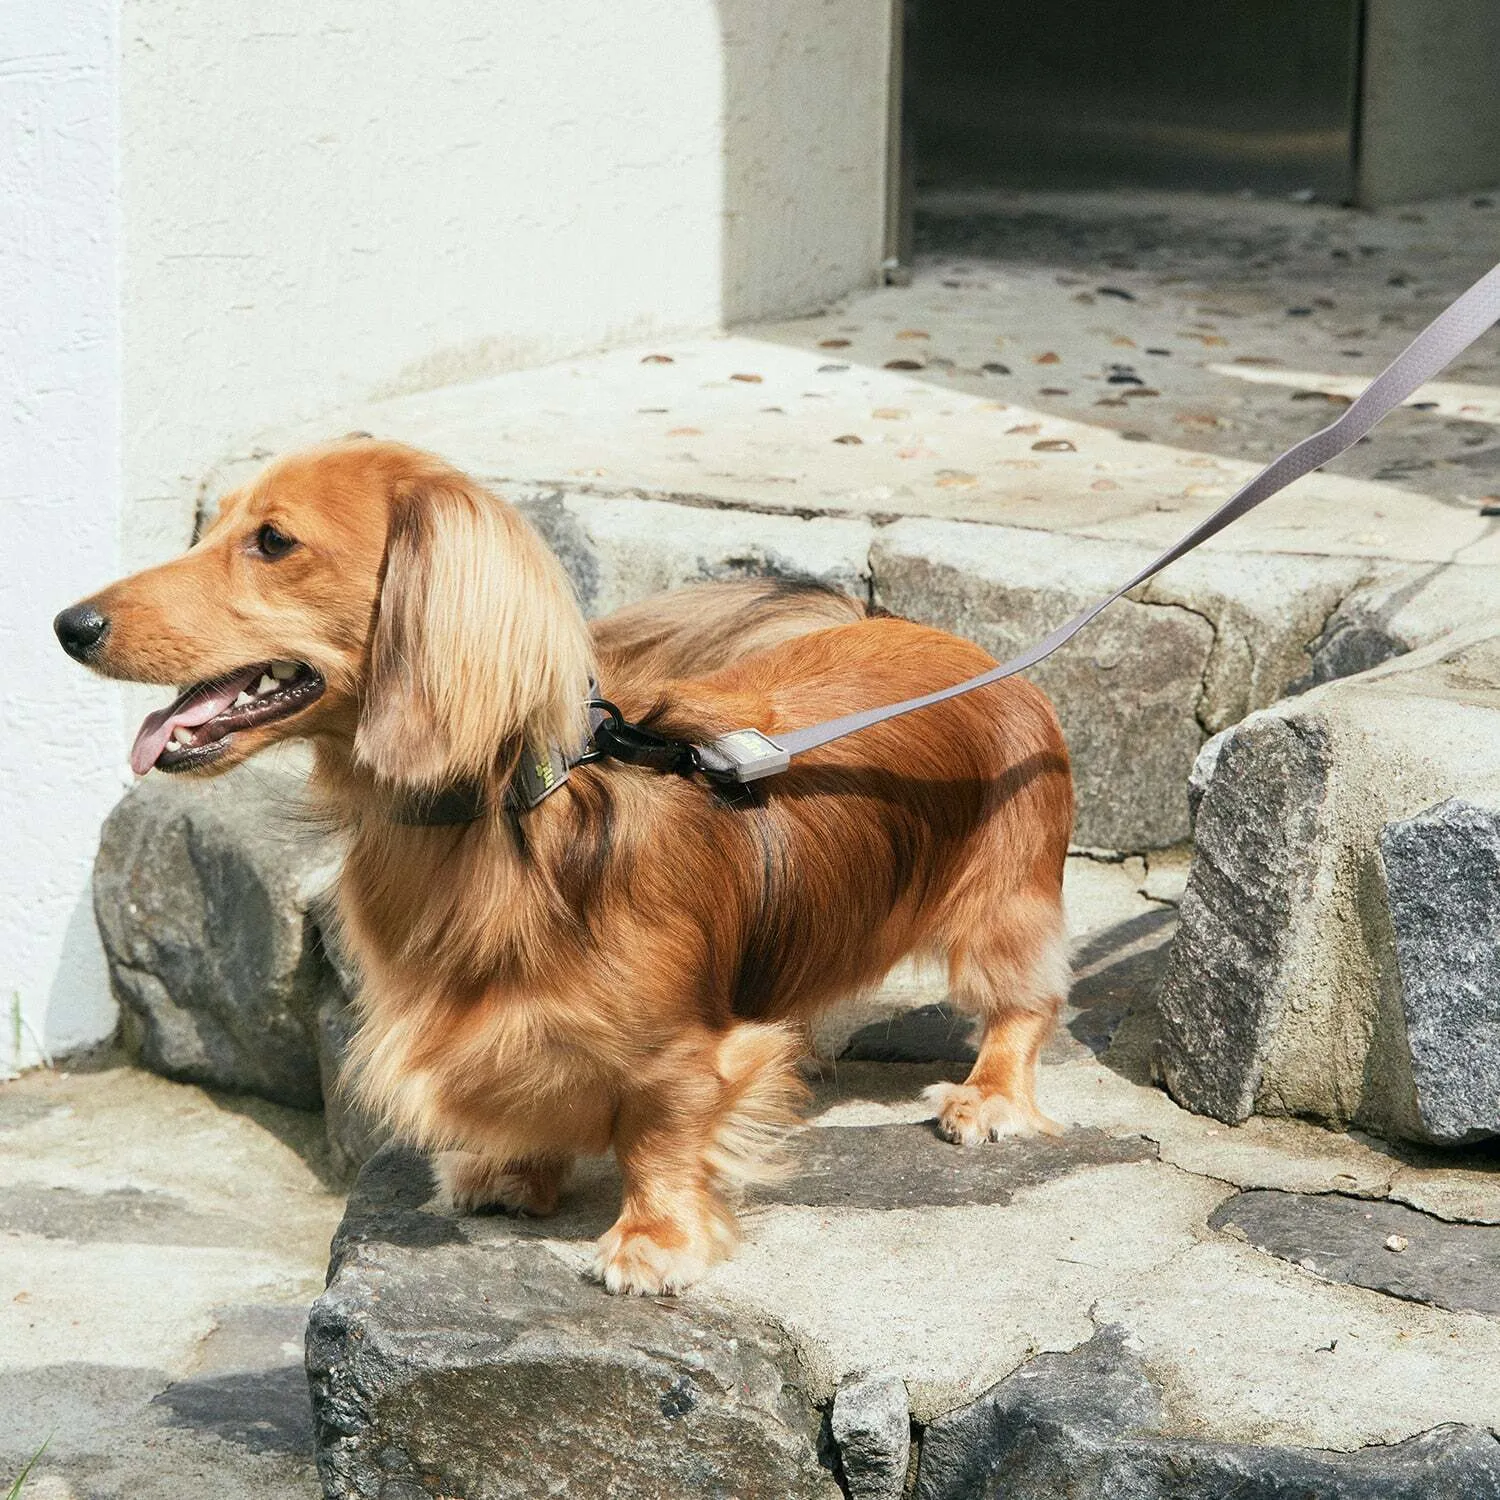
column 59, row 508
column 322, row 203
column 325, row 202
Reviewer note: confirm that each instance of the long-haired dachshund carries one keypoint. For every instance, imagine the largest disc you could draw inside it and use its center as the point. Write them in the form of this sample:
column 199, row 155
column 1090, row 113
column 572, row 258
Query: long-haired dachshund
column 631, row 961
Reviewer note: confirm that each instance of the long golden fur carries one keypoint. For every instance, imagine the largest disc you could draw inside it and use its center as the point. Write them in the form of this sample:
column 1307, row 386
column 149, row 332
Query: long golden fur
column 632, row 963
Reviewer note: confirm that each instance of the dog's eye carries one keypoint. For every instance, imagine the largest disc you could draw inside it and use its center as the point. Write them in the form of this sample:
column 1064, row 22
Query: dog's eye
column 272, row 543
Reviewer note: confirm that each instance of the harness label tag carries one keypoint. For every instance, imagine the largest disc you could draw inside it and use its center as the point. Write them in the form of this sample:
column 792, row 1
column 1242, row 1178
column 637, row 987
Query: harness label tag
column 539, row 774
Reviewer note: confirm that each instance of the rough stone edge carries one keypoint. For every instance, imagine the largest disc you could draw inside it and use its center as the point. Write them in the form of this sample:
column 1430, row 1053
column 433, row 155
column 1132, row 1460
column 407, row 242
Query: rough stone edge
column 337, row 1321
column 1090, row 1421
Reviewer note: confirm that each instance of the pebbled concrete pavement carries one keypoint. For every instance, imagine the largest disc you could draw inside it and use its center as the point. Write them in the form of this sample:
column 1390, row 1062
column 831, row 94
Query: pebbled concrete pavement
column 158, row 1249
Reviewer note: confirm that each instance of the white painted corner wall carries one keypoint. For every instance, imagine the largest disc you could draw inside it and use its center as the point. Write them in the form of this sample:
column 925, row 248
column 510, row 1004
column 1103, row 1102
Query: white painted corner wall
column 229, row 218
column 60, row 768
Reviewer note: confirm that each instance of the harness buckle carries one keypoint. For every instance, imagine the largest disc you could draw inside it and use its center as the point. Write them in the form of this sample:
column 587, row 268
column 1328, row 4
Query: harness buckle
column 742, row 755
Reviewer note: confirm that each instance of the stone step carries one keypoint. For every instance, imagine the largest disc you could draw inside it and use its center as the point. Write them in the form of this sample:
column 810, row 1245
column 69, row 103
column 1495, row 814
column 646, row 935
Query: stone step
column 907, row 1313
column 1337, row 951
column 651, row 467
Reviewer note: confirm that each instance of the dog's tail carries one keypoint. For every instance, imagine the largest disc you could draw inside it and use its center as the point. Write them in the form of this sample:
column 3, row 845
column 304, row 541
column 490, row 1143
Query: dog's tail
column 762, row 1097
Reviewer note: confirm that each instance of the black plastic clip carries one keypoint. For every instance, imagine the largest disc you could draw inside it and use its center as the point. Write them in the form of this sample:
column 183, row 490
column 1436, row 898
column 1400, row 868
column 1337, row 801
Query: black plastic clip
column 614, row 738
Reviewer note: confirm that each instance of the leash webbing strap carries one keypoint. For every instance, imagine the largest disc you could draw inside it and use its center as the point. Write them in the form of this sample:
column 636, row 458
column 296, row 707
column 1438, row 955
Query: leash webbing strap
column 748, row 755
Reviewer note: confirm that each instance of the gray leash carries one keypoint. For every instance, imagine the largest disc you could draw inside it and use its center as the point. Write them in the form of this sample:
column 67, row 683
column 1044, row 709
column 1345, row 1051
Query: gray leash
column 748, row 755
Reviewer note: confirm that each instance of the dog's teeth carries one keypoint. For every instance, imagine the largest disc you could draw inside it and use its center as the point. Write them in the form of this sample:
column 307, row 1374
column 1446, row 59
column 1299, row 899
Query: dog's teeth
column 243, row 699
column 267, row 684
column 283, row 671
column 182, row 736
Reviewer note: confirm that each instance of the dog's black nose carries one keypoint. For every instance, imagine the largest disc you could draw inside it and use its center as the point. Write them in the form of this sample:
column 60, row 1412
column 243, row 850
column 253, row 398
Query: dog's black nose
column 80, row 629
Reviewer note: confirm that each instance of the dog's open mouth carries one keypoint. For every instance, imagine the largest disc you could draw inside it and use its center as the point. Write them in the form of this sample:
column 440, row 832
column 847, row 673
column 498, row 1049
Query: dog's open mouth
column 195, row 727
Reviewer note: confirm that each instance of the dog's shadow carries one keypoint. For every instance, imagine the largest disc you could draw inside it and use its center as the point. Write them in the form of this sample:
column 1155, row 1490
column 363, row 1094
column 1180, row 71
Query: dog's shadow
column 870, row 1162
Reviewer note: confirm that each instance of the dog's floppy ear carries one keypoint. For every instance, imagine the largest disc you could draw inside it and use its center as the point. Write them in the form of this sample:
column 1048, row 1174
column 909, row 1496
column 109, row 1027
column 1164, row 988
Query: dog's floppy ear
column 478, row 646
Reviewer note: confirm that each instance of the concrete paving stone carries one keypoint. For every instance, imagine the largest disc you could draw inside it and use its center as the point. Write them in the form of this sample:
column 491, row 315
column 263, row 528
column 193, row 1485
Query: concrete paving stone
column 238, row 1161
column 1453, row 1191
column 1086, row 1422
column 159, row 1249
column 1384, row 1246
column 895, row 1166
column 1246, row 1348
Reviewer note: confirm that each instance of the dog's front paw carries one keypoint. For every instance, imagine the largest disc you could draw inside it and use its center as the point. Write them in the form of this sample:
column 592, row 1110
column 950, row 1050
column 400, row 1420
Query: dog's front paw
column 966, row 1116
column 651, row 1260
column 468, row 1182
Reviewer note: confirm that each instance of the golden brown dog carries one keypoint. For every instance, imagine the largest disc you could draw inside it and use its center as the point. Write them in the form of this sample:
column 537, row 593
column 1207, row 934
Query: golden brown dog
column 630, row 963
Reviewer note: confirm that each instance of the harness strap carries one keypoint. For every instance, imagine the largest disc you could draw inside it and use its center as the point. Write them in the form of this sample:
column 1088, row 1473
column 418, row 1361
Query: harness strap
column 748, row 754
column 540, row 770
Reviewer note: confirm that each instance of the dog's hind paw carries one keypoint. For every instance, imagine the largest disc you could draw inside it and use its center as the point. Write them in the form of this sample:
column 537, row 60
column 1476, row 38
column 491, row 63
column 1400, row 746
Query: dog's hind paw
column 468, row 1182
column 967, row 1116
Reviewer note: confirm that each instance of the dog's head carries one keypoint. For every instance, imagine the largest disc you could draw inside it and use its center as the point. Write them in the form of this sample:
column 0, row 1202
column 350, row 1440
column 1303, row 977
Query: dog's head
column 365, row 594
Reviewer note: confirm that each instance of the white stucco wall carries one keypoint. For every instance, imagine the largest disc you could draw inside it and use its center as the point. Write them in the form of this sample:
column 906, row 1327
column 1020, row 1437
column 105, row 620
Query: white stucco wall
column 318, row 204
column 325, row 202
column 59, row 508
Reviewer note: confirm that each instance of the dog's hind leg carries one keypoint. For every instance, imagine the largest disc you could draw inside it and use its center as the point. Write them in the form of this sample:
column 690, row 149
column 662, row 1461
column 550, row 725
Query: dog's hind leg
column 468, row 1181
column 1014, row 974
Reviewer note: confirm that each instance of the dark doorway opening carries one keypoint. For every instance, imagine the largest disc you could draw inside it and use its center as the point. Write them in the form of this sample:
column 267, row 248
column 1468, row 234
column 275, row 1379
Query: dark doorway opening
column 1199, row 94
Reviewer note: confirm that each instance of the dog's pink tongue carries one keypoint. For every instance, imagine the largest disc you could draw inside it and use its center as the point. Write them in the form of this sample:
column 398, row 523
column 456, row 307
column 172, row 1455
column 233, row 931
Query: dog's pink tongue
column 196, row 706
